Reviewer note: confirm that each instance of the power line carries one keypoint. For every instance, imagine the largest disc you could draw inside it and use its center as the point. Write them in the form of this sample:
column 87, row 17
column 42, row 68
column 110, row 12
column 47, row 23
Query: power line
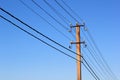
column 89, row 71
column 96, row 68
column 95, row 59
column 91, row 68
column 38, row 38
column 105, row 63
column 106, row 66
column 66, row 10
column 72, row 10
column 37, row 31
column 77, row 21
column 50, row 15
column 45, row 20
column 99, row 64
column 59, row 14
column 46, row 43
column 45, row 36
column 98, row 57
column 94, row 54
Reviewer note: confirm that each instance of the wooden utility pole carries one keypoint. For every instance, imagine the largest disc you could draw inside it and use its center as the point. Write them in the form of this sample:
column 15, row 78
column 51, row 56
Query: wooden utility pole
column 78, row 51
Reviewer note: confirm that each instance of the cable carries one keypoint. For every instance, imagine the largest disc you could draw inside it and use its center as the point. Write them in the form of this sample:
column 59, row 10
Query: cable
column 43, row 41
column 44, row 36
column 89, row 35
column 45, row 20
column 37, row 31
column 38, row 38
column 95, row 59
column 103, row 68
column 59, row 14
column 90, row 71
column 106, row 66
column 50, row 15
column 81, row 20
column 99, row 64
column 91, row 39
column 95, row 54
column 96, row 68
column 72, row 10
column 66, row 11
column 94, row 44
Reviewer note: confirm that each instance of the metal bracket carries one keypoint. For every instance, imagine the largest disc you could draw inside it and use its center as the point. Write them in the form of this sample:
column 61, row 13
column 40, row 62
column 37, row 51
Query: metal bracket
column 77, row 42
column 82, row 25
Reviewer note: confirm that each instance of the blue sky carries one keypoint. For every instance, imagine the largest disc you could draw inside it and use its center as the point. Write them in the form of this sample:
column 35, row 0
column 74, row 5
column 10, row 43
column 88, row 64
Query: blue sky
column 25, row 58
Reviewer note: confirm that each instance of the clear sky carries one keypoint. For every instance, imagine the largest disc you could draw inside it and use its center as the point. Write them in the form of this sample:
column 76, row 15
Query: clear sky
column 25, row 58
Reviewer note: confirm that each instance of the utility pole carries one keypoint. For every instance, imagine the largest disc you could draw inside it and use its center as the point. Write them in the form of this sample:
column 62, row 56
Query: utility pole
column 78, row 50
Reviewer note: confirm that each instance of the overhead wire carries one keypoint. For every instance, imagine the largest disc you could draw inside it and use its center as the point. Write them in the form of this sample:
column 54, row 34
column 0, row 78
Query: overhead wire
column 51, row 16
column 38, row 38
column 98, row 62
column 93, row 52
column 59, row 5
column 44, row 20
column 72, row 16
column 91, row 68
column 91, row 63
column 45, row 36
column 66, row 11
column 47, row 44
column 58, row 13
column 105, row 63
column 72, row 10
column 89, row 71
column 37, row 31
column 95, row 57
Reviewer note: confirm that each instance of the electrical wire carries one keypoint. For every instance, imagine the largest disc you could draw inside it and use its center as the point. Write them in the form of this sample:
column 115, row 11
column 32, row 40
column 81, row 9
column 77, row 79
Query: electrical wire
column 66, row 11
column 45, row 20
column 72, row 10
column 91, row 68
column 38, row 38
column 37, row 31
column 46, row 37
column 100, row 64
column 90, row 71
column 96, row 57
column 91, row 63
column 59, row 14
column 45, row 42
column 106, row 66
column 50, row 15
